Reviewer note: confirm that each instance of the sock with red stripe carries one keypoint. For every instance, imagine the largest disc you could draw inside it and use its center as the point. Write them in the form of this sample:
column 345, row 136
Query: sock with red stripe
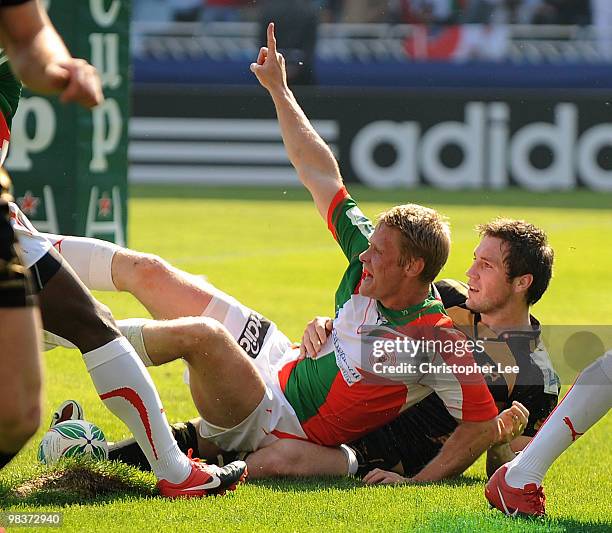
column 126, row 388
column 586, row 402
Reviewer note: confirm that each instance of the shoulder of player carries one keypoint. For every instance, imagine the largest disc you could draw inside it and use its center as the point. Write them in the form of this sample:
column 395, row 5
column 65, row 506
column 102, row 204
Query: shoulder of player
column 452, row 292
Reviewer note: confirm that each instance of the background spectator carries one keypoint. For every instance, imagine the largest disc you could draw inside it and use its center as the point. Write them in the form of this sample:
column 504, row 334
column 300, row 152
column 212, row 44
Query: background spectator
column 330, row 10
column 296, row 23
column 563, row 12
column 602, row 19
column 430, row 12
column 185, row 10
column 223, row 10
column 366, row 11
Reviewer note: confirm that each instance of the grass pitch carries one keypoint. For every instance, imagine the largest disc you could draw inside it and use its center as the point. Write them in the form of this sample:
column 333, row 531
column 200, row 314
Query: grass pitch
column 269, row 248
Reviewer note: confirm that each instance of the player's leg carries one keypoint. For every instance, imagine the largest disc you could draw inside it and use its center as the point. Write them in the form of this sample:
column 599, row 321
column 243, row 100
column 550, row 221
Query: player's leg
column 291, row 457
column 164, row 290
column 516, row 486
column 285, row 457
column 586, row 402
column 20, row 375
column 225, row 384
column 70, row 311
column 20, row 370
column 126, row 388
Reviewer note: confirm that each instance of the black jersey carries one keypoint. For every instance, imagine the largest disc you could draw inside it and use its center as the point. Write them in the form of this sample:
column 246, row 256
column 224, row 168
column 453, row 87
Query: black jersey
column 416, row 436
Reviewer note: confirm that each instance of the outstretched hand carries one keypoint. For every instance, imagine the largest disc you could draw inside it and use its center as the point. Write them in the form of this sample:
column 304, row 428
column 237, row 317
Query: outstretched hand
column 511, row 423
column 269, row 67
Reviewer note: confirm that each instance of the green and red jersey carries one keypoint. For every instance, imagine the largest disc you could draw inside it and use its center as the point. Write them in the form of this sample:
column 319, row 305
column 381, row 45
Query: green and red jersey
column 10, row 91
column 332, row 396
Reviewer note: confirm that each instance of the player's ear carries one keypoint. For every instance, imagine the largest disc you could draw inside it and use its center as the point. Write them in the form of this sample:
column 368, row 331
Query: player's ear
column 414, row 267
column 522, row 283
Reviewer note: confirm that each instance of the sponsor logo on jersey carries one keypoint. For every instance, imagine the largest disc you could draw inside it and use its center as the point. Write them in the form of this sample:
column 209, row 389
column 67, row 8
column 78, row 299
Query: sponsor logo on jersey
column 253, row 335
column 360, row 221
column 349, row 372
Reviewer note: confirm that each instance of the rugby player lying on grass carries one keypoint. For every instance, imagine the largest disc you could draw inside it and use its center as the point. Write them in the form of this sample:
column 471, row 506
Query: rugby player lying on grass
column 511, row 270
column 247, row 380
column 509, row 249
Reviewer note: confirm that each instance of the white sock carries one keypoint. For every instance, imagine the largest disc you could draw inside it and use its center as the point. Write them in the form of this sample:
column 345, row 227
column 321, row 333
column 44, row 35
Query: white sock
column 586, row 402
column 91, row 259
column 125, row 387
column 131, row 329
column 352, row 465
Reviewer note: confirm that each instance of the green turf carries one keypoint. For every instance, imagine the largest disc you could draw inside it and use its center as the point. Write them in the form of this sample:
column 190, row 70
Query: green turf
column 269, row 248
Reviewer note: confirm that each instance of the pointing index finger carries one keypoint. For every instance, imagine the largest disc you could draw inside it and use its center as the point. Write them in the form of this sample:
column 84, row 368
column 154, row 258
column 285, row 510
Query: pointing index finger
column 271, row 39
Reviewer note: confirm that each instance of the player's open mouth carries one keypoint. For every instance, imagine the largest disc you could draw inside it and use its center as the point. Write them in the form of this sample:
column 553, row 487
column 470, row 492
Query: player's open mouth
column 472, row 289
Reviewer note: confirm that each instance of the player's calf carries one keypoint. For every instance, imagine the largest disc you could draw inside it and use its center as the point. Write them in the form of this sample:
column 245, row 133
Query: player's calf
column 16, row 427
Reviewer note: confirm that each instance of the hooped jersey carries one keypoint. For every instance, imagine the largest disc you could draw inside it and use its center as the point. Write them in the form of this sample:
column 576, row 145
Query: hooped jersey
column 536, row 385
column 334, row 397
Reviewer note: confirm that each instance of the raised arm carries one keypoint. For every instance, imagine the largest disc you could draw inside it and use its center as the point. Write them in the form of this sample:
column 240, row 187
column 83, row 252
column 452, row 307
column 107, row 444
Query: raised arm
column 313, row 160
column 40, row 59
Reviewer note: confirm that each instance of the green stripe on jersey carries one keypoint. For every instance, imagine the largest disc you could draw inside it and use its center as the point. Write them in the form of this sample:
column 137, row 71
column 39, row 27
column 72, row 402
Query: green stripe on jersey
column 310, row 383
column 10, row 89
column 400, row 318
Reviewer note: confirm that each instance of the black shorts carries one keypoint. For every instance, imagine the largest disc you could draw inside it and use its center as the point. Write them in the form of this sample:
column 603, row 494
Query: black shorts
column 413, row 439
column 15, row 287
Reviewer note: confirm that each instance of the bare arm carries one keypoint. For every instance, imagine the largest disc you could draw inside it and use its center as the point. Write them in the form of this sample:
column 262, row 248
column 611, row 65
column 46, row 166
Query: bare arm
column 467, row 443
column 40, row 59
column 313, row 160
column 463, row 447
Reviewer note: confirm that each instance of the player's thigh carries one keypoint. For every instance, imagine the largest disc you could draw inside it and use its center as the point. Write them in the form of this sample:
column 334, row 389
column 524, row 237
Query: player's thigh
column 226, row 386
column 292, row 457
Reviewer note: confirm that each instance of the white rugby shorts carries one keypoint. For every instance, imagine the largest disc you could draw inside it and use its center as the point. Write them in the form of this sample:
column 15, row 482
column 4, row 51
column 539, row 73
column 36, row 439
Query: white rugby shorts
column 274, row 417
column 33, row 244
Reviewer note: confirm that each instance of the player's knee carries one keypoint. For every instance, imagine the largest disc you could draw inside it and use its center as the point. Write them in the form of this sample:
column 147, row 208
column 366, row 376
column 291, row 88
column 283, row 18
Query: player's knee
column 147, row 269
column 199, row 336
column 283, row 459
